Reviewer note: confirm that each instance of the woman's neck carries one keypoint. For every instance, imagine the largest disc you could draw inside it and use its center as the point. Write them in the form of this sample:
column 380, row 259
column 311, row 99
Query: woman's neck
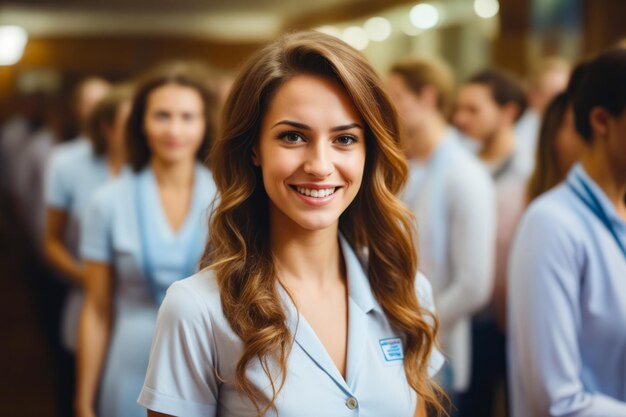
column 116, row 159
column 611, row 179
column 177, row 175
column 305, row 258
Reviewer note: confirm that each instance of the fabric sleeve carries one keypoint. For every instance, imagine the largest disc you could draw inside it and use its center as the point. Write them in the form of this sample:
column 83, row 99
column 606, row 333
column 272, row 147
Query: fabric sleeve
column 472, row 234
column 181, row 379
column 57, row 191
column 544, row 321
column 96, row 229
column 425, row 298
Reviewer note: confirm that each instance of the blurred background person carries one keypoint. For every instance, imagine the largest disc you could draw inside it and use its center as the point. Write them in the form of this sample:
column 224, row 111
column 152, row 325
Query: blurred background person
column 487, row 107
column 143, row 232
column 29, row 117
column 73, row 175
column 452, row 197
column 549, row 78
column 87, row 94
column 567, row 304
column 560, row 145
column 27, row 158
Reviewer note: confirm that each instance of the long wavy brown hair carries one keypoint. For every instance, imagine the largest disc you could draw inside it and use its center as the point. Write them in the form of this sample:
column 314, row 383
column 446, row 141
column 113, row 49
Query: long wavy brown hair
column 238, row 250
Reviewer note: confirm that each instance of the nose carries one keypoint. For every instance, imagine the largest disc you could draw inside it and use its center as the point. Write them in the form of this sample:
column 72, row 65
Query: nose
column 318, row 160
column 174, row 126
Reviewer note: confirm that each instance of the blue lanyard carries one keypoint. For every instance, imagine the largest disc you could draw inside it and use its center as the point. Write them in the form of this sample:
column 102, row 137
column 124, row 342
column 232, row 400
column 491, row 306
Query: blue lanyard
column 587, row 196
column 147, row 254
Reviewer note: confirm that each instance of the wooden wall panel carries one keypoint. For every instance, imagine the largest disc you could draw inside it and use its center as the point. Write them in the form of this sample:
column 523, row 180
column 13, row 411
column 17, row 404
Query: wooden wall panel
column 115, row 57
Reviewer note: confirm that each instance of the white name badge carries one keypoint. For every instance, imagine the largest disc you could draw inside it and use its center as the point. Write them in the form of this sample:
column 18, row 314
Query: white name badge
column 392, row 349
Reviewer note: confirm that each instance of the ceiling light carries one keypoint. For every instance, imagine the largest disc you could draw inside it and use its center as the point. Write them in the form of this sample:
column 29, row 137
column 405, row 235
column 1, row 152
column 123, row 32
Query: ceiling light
column 378, row 28
column 356, row 37
column 486, row 8
column 424, row 16
column 13, row 40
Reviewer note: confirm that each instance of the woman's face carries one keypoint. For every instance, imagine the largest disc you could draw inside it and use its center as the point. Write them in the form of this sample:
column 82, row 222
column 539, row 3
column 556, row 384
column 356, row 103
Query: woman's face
column 174, row 122
column 117, row 130
column 569, row 145
column 311, row 152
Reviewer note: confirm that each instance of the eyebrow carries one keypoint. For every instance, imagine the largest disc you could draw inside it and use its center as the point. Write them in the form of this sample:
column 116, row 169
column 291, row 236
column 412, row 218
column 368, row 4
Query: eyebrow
column 306, row 127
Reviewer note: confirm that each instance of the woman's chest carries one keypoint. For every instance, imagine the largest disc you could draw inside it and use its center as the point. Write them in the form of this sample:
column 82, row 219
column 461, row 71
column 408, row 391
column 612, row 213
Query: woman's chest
column 375, row 383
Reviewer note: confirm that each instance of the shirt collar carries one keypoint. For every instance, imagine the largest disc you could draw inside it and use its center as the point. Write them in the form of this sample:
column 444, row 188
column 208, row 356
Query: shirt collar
column 578, row 173
column 359, row 289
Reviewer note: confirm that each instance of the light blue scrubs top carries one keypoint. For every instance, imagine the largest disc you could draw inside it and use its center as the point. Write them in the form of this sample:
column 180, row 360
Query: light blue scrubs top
column 194, row 342
column 72, row 176
column 567, row 307
column 112, row 234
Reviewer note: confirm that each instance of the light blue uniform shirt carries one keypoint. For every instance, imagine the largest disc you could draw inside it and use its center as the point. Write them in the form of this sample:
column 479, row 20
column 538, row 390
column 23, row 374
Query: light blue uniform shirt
column 194, row 341
column 112, row 235
column 72, row 176
column 567, row 308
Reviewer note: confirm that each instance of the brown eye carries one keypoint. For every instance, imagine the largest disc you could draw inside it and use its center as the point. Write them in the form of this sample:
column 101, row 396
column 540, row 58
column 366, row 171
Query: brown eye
column 346, row 140
column 291, row 137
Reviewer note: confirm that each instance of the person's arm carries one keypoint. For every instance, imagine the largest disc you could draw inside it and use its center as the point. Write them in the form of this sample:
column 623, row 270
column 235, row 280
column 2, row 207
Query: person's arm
column 471, row 240
column 181, row 379
column 58, row 196
column 57, row 254
column 420, row 410
column 93, row 334
column 545, row 270
column 96, row 314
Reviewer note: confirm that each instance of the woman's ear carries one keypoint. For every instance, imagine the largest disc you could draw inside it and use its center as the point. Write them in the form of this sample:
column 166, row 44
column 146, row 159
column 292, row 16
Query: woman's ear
column 599, row 120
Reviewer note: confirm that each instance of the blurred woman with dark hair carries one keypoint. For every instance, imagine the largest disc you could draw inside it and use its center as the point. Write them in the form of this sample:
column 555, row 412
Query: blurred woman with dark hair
column 567, row 315
column 142, row 233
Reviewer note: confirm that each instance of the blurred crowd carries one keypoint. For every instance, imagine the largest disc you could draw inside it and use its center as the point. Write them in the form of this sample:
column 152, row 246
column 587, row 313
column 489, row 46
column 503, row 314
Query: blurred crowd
column 529, row 287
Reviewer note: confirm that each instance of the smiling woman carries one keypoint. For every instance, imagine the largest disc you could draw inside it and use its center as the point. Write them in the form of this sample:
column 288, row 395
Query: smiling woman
column 290, row 317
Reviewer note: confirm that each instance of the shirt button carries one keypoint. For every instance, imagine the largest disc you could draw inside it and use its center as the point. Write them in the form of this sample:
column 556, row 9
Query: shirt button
column 351, row 403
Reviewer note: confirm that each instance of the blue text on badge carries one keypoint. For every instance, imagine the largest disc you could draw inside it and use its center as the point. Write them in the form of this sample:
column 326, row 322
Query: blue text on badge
column 392, row 349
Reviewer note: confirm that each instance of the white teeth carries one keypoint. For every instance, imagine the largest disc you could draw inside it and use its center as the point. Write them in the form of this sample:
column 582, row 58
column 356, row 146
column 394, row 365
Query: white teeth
column 316, row 193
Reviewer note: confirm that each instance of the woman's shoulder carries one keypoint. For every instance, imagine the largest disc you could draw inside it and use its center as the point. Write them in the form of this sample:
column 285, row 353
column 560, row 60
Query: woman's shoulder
column 70, row 160
column 205, row 173
column 114, row 192
column 424, row 291
column 555, row 209
column 78, row 148
column 195, row 299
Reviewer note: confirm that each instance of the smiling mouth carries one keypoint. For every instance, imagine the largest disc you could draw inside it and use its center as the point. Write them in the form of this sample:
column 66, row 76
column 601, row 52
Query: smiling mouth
column 315, row 193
